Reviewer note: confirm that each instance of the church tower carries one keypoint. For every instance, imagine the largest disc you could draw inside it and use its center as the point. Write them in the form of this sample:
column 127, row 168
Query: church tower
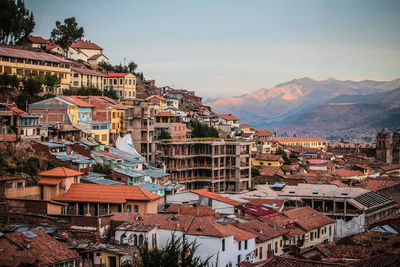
column 396, row 146
column 383, row 147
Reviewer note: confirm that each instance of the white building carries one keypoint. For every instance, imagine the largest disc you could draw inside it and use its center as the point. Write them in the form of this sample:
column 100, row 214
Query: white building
column 137, row 234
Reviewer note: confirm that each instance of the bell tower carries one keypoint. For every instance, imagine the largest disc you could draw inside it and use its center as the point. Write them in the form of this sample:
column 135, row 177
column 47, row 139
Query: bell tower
column 396, row 146
column 383, row 147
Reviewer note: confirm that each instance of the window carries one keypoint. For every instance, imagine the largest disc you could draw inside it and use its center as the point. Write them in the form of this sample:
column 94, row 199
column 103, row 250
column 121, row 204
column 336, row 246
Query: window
column 120, row 81
column 120, row 208
column 239, row 258
column 140, row 240
column 9, row 186
column 105, row 207
column 20, row 185
column 312, row 236
column 115, row 81
column 123, row 239
column 75, row 180
column 240, row 245
column 130, row 81
column 245, row 244
column 104, row 137
column 260, row 253
column 129, row 208
column 135, row 240
column 276, row 246
column 223, row 244
column 136, row 208
column 280, row 243
column 330, row 230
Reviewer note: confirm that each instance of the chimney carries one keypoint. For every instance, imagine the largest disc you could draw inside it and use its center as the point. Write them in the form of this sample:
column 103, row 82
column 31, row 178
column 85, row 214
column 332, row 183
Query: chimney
column 27, row 243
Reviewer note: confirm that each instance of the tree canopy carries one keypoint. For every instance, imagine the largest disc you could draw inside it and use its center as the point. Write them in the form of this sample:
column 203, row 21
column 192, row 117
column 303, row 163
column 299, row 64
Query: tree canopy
column 65, row 34
column 202, row 130
column 91, row 91
column 16, row 22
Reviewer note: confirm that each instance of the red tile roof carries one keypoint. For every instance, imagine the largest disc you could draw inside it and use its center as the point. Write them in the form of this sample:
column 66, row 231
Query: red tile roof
column 50, row 181
column 156, row 96
column 258, row 210
column 87, row 71
column 308, row 218
column 262, row 230
column 187, row 209
column 240, row 234
column 60, row 172
column 263, row 132
column 228, row 117
column 348, row 173
column 38, row 40
column 107, row 154
column 166, row 114
column 97, row 56
column 14, row 109
column 8, row 137
column 85, row 45
column 245, row 125
column 75, row 100
column 117, row 75
column 106, row 193
column 44, row 250
column 218, row 197
column 269, row 157
column 6, row 178
column 19, row 53
column 284, row 261
column 299, row 139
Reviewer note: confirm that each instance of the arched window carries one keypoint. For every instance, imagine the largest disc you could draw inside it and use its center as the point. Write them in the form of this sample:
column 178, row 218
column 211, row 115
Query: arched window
column 123, row 239
column 135, row 240
column 140, row 240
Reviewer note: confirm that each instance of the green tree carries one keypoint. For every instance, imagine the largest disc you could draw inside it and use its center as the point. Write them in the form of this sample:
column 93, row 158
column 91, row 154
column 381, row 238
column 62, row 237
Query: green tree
column 104, row 169
column 255, row 172
column 8, row 84
column 32, row 87
column 16, row 21
column 132, row 66
column 200, row 130
column 51, row 81
column 119, row 68
column 106, row 66
column 178, row 252
column 165, row 135
column 65, row 34
column 282, row 152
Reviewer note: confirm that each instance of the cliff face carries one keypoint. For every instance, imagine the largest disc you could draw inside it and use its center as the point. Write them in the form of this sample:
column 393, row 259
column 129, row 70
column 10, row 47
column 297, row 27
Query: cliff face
column 287, row 102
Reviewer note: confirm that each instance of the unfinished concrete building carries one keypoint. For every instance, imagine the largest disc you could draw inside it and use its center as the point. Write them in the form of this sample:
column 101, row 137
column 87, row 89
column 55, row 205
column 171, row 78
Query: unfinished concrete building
column 140, row 122
column 219, row 165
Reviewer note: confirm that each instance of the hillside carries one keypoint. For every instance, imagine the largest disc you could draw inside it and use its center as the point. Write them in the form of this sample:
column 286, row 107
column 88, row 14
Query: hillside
column 355, row 117
column 286, row 102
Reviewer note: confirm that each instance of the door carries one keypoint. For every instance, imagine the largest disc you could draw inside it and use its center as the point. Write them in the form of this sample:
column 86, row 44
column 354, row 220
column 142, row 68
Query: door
column 81, row 208
column 113, row 261
column 96, row 210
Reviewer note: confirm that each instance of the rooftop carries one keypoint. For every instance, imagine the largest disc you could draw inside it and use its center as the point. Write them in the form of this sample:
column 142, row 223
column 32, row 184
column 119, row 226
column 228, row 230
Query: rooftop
column 85, row 45
column 228, row 117
column 25, row 54
column 106, row 193
column 218, row 197
column 60, row 172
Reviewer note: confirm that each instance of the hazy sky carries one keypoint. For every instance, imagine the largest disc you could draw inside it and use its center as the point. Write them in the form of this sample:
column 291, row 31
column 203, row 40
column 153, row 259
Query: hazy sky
column 232, row 47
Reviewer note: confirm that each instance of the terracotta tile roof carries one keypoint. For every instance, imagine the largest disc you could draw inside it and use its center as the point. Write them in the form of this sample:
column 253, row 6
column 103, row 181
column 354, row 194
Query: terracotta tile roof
column 228, row 117
column 308, row 218
column 169, row 221
column 117, row 75
column 156, row 96
column 299, row 139
column 19, row 53
column 348, row 173
column 269, row 157
column 60, row 172
column 8, row 137
column 261, row 229
column 263, row 132
column 246, row 134
column 6, row 179
column 97, row 56
column 240, row 234
column 265, row 201
column 283, row 261
column 386, row 259
column 50, row 181
column 166, row 114
column 85, row 45
column 245, row 125
column 87, row 71
column 258, row 210
column 271, row 171
column 187, row 209
column 77, row 101
column 14, row 109
column 43, row 249
column 106, row 193
column 391, row 167
column 38, row 40
column 218, row 197
column 136, row 227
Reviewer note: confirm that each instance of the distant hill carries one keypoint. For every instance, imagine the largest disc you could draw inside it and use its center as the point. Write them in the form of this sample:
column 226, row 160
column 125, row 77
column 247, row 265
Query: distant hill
column 287, row 102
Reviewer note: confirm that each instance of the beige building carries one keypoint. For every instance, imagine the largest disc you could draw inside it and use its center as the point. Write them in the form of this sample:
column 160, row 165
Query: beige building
column 87, row 78
column 124, row 84
column 23, row 62
column 313, row 142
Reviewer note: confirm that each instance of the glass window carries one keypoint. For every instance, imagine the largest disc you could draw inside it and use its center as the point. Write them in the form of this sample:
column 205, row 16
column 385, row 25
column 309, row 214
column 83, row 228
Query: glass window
column 223, row 244
column 240, row 245
column 129, row 208
column 136, row 208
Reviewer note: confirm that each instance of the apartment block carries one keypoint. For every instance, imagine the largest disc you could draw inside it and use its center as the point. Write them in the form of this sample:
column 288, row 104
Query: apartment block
column 219, row 165
column 140, row 122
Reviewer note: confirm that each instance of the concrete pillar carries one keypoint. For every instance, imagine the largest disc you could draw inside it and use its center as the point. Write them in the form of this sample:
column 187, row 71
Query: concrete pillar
column 108, row 208
column 312, row 203
column 88, row 208
column 76, row 208
column 323, row 205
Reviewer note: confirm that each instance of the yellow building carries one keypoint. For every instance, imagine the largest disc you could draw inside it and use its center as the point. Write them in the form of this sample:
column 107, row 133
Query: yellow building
column 266, row 160
column 23, row 62
column 313, row 142
column 264, row 146
column 123, row 84
column 87, row 78
column 157, row 102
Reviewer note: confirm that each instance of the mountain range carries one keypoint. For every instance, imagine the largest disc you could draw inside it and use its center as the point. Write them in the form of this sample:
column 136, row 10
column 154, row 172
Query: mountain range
column 305, row 105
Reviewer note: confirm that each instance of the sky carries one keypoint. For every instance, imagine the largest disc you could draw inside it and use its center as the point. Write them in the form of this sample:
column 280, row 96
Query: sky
column 232, row 47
